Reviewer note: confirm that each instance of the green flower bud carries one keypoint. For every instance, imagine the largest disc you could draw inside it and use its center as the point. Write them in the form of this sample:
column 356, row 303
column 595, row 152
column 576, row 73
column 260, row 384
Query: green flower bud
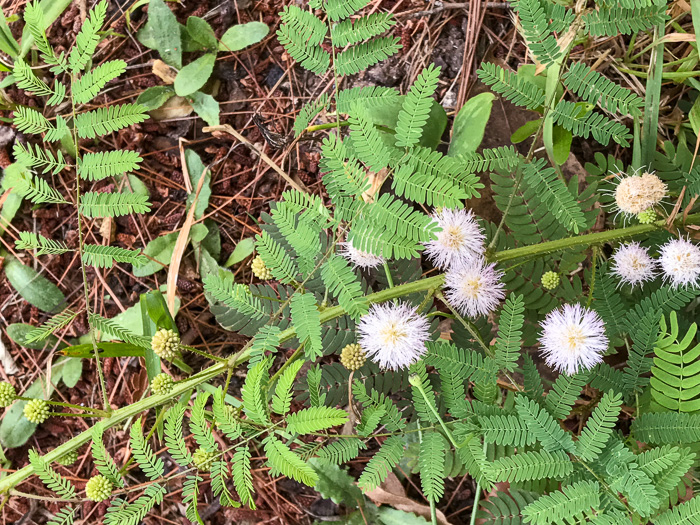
column 647, row 216
column 203, row 459
column 7, row 394
column 68, row 458
column 162, row 384
column 36, row 411
column 166, row 344
column 353, row 357
column 260, row 271
column 98, row 488
column 550, row 280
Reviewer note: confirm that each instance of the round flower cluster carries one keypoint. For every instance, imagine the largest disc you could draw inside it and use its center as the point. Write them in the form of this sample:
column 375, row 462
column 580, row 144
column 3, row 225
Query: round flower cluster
column 68, row 458
column 632, row 264
column 679, row 261
column 37, row 411
column 260, row 271
column 573, row 338
column 359, row 258
column 474, row 288
column 98, row 488
column 393, row 335
column 353, row 357
column 203, row 459
column 166, row 344
column 638, row 193
column 550, row 280
column 162, row 384
column 8, row 394
column 459, row 241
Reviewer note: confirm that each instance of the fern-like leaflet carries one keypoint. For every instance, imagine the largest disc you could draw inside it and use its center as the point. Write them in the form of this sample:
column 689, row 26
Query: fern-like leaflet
column 90, row 84
column 123, row 513
column 38, row 157
column 98, row 166
column 532, row 465
column 593, row 87
column 573, row 501
column 431, row 461
column 57, row 322
column 367, row 54
column 95, row 204
column 108, row 325
column 101, row 256
column 510, row 332
column 150, row 464
column 102, row 121
column 314, row 419
column 416, row 107
column 381, row 464
column 242, row 478
column 103, row 461
column 88, row 38
column 573, row 118
column 281, row 458
column 52, row 479
column 599, row 427
column 282, row 399
column 174, row 439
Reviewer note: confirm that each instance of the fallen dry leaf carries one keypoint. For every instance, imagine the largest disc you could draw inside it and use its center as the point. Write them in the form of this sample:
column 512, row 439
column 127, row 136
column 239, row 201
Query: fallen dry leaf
column 391, row 493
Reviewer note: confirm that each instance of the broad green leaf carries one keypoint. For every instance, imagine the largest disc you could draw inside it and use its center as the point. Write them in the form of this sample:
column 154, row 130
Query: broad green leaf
column 131, row 319
column 206, row 107
column 561, row 139
column 166, row 33
column 154, row 97
column 200, row 31
column 525, row 131
column 212, row 242
column 15, row 430
column 194, row 75
column 195, row 168
column 242, row 250
column 72, row 371
column 243, row 35
column 7, row 42
column 389, row 516
column 34, row 288
column 198, row 232
column 13, row 200
column 470, row 124
column 161, row 249
column 387, row 114
column 694, row 117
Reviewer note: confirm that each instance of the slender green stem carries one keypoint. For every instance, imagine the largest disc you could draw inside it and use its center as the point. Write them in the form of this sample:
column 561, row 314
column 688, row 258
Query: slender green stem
column 387, row 271
column 297, row 353
column 204, row 354
column 477, row 497
column 415, row 381
column 86, row 284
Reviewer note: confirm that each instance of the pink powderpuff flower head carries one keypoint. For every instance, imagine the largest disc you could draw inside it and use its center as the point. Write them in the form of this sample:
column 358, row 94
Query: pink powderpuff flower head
column 632, row 264
column 460, row 240
column 573, row 339
column 474, row 288
column 680, row 263
column 393, row 335
column 364, row 260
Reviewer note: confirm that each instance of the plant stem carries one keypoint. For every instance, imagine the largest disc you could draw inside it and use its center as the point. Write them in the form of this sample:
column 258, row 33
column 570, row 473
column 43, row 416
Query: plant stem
column 446, row 430
column 477, row 497
column 389, row 279
column 86, row 285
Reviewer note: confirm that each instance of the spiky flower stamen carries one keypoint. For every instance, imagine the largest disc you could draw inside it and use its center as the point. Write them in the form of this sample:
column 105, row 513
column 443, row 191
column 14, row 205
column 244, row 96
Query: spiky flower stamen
column 474, row 288
column 460, row 240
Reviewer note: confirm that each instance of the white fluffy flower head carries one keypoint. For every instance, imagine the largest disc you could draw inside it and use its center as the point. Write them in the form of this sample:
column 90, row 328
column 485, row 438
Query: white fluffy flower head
column 364, row 260
column 393, row 335
column 637, row 193
column 460, row 240
column 680, row 262
column 474, row 288
column 633, row 265
column 573, row 338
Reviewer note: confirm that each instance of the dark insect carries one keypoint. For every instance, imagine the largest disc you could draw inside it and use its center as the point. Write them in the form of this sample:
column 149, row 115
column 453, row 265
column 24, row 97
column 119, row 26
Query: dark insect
column 276, row 140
